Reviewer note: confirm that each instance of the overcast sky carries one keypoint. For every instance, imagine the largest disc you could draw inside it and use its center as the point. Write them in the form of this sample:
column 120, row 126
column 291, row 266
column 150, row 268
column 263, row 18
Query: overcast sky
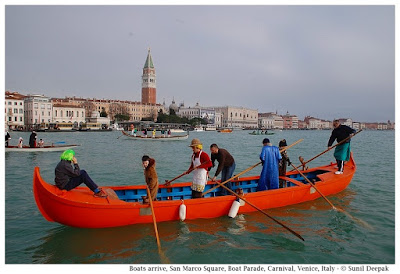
column 324, row 61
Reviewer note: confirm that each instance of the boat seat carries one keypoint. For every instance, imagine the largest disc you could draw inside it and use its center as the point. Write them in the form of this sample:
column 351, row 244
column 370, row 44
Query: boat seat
column 177, row 193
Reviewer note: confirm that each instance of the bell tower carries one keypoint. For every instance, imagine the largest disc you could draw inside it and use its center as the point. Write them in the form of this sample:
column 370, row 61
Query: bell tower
column 149, row 81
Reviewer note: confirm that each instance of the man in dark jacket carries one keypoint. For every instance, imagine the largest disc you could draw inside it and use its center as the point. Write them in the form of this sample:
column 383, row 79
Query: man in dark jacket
column 8, row 137
column 342, row 152
column 69, row 175
column 32, row 139
column 226, row 165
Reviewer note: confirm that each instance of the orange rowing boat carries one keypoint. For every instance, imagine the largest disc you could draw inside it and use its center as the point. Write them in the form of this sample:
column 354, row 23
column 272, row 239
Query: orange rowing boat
column 123, row 206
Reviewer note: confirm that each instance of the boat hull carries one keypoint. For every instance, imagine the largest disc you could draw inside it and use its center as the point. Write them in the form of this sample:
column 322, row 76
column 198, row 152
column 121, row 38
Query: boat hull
column 79, row 208
column 156, row 138
column 39, row 149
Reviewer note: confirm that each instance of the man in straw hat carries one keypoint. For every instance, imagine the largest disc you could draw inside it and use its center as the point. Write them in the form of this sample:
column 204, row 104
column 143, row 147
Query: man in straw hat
column 199, row 165
column 69, row 175
column 270, row 157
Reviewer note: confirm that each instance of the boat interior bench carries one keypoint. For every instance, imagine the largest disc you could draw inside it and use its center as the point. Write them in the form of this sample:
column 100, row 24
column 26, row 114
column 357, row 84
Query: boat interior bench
column 185, row 192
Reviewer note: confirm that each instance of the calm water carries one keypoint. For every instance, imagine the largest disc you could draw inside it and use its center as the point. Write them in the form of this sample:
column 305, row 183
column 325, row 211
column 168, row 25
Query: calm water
column 330, row 236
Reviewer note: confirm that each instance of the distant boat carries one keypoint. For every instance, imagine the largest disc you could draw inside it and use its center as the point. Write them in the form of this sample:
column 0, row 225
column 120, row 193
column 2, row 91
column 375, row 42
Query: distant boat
column 198, row 129
column 117, row 127
column 156, row 138
column 177, row 130
column 46, row 148
column 258, row 132
column 211, row 127
column 225, row 130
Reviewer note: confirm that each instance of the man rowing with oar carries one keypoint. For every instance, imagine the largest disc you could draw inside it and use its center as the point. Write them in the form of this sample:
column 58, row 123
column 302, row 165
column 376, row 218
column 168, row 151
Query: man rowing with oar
column 199, row 165
column 342, row 152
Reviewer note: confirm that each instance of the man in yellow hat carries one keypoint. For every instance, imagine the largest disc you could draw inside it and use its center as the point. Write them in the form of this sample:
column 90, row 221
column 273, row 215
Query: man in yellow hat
column 199, row 165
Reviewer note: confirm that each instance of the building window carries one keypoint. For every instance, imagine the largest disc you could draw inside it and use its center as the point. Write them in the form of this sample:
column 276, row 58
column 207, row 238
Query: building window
column 21, row 111
column 20, row 119
column 16, row 110
column 9, row 103
column 15, row 103
column 35, row 106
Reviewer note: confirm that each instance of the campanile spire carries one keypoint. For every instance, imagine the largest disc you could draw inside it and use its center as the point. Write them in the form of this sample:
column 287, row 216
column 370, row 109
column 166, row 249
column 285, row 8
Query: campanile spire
column 149, row 81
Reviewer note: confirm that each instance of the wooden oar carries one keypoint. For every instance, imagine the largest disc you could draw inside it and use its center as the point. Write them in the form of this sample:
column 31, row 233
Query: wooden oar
column 163, row 258
column 154, row 217
column 167, row 183
column 313, row 185
column 263, row 212
column 315, row 157
column 250, row 168
column 329, row 202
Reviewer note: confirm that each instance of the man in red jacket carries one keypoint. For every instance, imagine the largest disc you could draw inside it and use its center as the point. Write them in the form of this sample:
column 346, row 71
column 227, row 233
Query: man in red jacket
column 199, row 165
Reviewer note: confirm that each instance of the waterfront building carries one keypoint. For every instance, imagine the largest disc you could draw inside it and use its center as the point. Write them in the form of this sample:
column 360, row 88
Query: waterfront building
column 135, row 110
column 37, row 110
column 208, row 114
column 290, row 121
column 346, row 121
column 149, row 93
column 237, row 117
column 356, row 125
column 218, row 120
column 312, row 122
column 173, row 108
column 266, row 120
column 63, row 113
column 270, row 120
column 302, row 124
column 14, row 110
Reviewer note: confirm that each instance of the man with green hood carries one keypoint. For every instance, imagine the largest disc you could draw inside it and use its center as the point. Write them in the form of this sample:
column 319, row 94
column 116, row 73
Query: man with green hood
column 69, row 175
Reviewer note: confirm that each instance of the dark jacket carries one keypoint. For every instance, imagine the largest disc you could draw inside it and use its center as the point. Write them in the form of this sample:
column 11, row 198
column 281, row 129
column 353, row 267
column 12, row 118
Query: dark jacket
column 32, row 139
column 224, row 159
column 340, row 133
column 64, row 171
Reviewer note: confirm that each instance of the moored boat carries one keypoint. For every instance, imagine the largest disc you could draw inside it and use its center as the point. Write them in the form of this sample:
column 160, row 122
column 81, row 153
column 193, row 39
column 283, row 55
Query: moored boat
column 123, row 206
column 157, row 138
column 46, row 148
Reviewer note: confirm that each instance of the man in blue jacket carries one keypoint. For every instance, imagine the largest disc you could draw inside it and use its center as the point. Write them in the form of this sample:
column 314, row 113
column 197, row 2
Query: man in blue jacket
column 270, row 157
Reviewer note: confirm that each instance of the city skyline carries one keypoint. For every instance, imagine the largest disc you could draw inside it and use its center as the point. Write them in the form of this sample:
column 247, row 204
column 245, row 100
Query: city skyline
column 300, row 59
